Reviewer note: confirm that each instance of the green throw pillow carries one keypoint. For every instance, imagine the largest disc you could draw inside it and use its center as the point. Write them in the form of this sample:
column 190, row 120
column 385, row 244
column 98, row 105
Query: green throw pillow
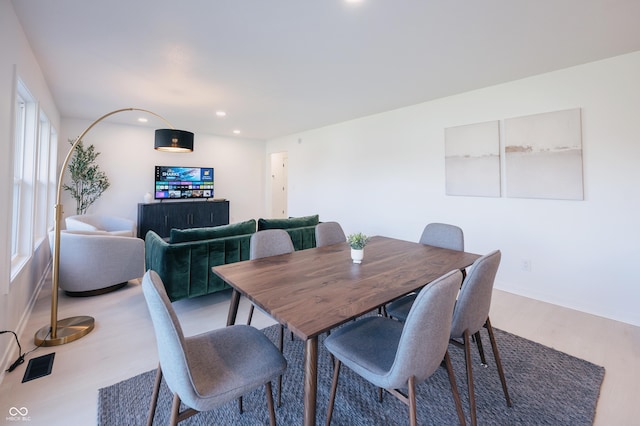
column 197, row 234
column 292, row 222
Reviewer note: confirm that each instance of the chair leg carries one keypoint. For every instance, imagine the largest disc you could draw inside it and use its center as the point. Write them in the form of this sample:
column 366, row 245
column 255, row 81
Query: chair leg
column 469, row 366
column 250, row 314
column 272, row 412
column 240, row 405
column 496, row 355
column 478, row 339
column 334, row 387
column 454, row 389
column 281, row 347
column 413, row 418
column 382, row 311
column 175, row 410
column 154, row 396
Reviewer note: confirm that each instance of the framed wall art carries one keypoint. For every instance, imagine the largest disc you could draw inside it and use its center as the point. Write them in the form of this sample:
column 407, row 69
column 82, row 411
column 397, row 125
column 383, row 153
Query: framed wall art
column 543, row 156
column 472, row 160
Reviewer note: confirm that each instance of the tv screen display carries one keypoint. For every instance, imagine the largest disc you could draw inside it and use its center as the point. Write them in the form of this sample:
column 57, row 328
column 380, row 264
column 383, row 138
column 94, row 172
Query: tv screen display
column 183, row 182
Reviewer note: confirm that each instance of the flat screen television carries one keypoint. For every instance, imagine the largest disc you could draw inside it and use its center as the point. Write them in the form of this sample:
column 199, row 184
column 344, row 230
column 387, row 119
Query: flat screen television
column 183, row 182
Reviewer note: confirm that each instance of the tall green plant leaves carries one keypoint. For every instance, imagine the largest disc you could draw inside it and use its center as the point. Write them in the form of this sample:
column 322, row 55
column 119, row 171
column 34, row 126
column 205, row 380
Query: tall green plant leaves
column 88, row 182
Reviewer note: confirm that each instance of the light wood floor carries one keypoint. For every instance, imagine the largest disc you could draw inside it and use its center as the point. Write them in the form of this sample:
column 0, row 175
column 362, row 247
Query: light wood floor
column 123, row 345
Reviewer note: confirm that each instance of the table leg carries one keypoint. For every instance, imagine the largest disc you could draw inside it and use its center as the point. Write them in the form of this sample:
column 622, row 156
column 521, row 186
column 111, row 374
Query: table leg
column 233, row 307
column 310, row 380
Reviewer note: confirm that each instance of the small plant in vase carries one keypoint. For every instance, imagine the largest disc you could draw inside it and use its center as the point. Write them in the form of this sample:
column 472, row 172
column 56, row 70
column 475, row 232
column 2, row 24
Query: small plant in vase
column 357, row 243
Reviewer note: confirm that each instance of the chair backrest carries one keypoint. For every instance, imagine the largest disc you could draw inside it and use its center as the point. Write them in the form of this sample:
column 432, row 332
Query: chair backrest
column 443, row 235
column 270, row 242
column 328, row 233
column 472, row 307
column 169, row 338
column 93, row 222
column 425, row 335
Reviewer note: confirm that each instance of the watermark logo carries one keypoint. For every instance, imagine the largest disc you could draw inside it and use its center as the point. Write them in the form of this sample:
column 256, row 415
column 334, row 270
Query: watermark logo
column 18, row 415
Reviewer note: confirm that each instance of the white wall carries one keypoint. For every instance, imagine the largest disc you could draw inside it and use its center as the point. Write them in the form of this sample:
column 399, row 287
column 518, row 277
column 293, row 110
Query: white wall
column 17, row 296
column 128, row 158
column 384, row 175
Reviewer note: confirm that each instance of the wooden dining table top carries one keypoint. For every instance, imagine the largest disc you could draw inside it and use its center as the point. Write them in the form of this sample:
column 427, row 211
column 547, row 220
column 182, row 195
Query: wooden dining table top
column 314, row 290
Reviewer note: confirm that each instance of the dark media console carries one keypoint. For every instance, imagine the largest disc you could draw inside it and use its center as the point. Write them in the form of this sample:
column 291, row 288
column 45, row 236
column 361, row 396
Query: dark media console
column 162, row 217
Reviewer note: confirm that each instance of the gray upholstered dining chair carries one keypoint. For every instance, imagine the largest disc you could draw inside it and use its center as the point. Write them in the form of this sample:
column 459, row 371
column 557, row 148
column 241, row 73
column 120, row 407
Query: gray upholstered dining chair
column 328, row 233
column 443, row 235
column 471, row 314
column 434, row 234
column 393, row 356
column 209, row 369
column 266, row 243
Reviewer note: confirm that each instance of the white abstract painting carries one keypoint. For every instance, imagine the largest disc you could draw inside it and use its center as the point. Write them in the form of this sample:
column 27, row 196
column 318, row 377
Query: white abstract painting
column 543, row 156
column 472, row 160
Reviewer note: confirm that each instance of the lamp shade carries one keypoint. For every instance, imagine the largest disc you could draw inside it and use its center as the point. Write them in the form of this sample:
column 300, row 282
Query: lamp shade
column 172, row 140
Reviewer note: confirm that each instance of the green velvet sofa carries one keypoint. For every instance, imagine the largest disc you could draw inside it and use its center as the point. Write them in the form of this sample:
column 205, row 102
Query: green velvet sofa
column 184, row 262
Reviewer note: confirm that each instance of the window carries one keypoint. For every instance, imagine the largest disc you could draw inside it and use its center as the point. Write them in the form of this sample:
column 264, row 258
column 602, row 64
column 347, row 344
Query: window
column 23, row 177
column 42, row 179
column 35, row 148
column 53, row 168
column 20, row 131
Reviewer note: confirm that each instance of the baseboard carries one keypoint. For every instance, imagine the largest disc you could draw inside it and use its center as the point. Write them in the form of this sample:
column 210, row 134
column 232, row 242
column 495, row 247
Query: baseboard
column 11, row 351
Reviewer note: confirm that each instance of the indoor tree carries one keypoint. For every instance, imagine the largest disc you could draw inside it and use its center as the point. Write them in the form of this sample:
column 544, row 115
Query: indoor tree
column 88, row 182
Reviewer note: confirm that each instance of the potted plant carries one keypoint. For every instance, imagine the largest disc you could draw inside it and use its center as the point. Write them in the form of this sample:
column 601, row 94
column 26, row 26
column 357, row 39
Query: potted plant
column 357, row 242
column 88, row 182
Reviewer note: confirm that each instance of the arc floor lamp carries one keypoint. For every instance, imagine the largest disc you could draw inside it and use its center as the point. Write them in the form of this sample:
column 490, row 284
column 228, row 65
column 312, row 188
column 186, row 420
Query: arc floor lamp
column 67, row 330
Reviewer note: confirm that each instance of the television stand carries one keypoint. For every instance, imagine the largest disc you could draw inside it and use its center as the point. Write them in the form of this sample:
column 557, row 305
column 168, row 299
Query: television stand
column 162, row 217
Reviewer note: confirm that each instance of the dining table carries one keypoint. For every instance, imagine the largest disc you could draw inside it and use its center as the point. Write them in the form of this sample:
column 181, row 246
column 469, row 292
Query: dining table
column 314, row 290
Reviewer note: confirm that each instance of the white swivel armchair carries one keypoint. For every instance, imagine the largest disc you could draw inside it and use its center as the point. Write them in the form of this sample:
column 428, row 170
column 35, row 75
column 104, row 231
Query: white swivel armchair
column 96, row 262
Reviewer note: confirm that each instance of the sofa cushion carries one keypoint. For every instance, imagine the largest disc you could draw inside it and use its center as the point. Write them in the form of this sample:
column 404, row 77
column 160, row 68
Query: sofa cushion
column 199, row 234
column 303, row 237
column 292, row 222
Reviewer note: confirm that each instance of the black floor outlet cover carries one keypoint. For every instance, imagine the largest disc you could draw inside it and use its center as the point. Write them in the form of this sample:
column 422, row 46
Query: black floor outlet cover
column 39, row 367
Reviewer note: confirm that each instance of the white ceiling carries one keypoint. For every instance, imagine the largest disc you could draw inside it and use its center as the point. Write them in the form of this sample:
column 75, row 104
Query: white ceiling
column 283, row 66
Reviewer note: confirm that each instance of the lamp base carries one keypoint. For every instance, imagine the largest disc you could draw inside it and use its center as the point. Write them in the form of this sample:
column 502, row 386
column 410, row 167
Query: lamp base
column 67, row 330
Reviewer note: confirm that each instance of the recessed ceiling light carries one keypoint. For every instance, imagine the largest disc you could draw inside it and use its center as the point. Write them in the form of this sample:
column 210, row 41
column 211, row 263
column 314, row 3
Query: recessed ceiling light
column 237, row 132
column 221, row 113
column 142, row 120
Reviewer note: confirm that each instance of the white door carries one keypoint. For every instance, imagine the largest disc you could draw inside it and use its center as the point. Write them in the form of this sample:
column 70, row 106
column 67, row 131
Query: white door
column 279, row 185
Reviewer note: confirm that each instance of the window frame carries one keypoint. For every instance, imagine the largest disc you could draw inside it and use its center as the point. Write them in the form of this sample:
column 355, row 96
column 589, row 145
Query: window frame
column 34, row 178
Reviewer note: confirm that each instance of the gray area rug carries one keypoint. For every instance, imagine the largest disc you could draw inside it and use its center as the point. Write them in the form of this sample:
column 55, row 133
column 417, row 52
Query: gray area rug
column 547, row 387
